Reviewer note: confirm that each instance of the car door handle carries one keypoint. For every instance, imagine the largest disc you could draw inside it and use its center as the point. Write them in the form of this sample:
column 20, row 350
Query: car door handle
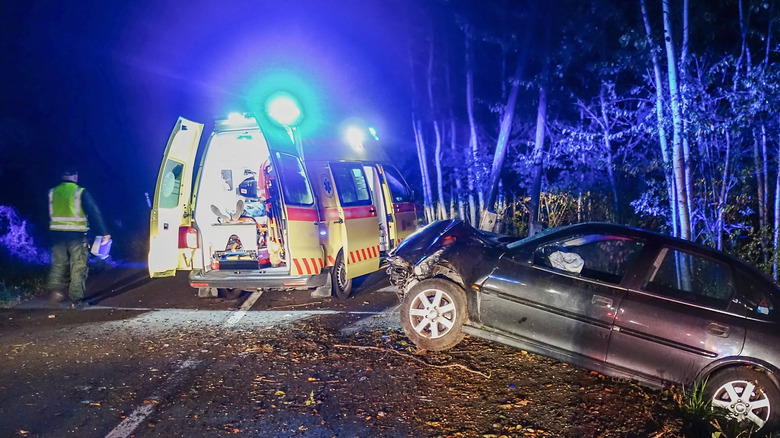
column 719, row 330
column 601, row 301
column 340, row 221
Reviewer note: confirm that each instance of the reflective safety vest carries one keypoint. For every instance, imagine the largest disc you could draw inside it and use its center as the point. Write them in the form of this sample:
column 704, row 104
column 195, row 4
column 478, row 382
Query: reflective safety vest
column 65, row 211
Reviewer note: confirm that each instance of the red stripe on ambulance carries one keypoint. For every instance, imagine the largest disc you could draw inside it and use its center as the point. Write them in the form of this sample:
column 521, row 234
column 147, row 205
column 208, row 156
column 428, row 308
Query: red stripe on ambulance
column 302, row 214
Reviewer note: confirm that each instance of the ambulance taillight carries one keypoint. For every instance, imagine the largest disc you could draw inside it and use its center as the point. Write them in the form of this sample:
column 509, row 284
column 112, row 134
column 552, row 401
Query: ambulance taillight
column 188, row 238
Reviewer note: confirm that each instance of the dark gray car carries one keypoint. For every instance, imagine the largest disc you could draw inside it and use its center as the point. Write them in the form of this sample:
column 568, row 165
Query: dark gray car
column 626, row 302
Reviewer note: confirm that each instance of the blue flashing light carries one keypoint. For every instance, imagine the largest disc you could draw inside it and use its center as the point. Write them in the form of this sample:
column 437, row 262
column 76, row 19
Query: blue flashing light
column 284, row 109
column 372, row 131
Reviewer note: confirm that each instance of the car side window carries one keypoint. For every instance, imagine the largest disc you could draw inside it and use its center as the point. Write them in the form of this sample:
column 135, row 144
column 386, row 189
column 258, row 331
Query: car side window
column 756, row 296
column 686, row 276
column 595, row 256
column 351, row 184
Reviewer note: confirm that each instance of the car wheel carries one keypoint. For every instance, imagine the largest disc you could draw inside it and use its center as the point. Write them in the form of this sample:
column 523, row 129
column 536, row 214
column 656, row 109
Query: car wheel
column 342, row 286
column 432, row 314
column 746, row 395
column 231, row 293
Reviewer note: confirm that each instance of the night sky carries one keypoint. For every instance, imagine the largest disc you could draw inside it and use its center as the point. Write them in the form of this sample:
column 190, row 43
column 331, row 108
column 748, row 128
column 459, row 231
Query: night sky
column 100, row 84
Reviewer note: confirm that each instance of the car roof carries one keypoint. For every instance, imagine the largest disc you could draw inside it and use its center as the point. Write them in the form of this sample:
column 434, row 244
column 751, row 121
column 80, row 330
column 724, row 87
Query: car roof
column 643, row 234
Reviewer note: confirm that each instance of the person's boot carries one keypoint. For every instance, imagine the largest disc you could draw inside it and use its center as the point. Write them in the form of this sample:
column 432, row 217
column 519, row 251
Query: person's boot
column 55, row 299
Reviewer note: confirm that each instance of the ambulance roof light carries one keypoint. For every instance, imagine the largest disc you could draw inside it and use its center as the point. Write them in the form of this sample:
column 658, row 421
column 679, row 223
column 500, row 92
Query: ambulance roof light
column 235, row 118
column 284, row 109
column 355, row 136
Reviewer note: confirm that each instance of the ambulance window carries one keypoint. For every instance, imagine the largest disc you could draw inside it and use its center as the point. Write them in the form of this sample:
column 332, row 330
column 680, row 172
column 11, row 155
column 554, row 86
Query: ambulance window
column 398, row 187
column 294, row 182
column 351, row 184
column 170, row 186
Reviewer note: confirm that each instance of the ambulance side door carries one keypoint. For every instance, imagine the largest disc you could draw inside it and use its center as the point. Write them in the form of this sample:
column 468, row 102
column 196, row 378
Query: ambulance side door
column 172, row 205
column 300, row 216
column 403, row 210
column 360, row 227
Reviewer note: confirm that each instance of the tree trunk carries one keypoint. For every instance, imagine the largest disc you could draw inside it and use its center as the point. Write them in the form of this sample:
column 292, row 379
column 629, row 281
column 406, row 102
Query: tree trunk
column 441, row 210
column 508, row 114
column 684, row 109
column 678, row 157
column 776, row 264
column 456, row 177
column 472, row 174
column 439, row 205
column 425, row 176
column 608, row 152
column 723, row 198
column 659, row 112
column 536, row 184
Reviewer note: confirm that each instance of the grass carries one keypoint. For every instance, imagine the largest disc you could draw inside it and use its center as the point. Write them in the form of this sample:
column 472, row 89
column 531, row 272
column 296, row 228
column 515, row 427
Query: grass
column 702, row 421
column 20, row 281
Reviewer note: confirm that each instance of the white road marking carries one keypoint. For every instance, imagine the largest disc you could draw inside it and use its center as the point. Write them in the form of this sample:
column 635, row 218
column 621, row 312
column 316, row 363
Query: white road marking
column 234, row 318
column 128, row 425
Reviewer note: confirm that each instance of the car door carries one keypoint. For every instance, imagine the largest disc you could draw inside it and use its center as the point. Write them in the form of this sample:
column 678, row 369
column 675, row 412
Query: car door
column 677, row 318
column 561, row 300
column 360, row 227
column 172, row 205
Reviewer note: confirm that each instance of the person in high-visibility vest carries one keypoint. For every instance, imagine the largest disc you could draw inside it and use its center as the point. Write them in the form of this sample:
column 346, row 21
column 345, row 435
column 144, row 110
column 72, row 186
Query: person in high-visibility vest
column 72, row 211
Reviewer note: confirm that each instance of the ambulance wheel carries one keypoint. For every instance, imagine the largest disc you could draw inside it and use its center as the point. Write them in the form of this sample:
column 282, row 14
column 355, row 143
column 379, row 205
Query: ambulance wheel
column 231, row 293
column 342, row 285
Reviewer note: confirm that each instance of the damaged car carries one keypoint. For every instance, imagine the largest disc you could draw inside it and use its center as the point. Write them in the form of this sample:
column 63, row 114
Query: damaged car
column 626, row 302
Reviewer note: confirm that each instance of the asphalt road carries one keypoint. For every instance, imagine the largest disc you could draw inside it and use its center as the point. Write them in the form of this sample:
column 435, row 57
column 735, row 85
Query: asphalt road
column 107, row 371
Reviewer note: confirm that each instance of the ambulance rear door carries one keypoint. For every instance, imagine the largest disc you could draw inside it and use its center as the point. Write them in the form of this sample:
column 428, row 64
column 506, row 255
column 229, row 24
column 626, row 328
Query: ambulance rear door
column 402, row 219
column 172, row 205
column 299, row 221
column 359, row 215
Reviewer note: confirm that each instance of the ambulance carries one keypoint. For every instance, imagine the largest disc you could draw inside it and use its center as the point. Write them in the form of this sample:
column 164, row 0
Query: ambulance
column 269, row 210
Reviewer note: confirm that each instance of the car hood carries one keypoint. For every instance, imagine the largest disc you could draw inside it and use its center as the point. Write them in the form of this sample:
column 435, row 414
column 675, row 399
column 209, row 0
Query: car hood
column 441, row 235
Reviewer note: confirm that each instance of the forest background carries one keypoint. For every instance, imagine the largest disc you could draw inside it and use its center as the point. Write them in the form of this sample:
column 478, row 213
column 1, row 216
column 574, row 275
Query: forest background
column 659, row 114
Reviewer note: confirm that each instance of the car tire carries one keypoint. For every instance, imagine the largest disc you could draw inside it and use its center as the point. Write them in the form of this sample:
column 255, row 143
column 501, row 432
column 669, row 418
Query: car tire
column 342, row 286
column 725, row 389
column 433, row 313
column 232, row 293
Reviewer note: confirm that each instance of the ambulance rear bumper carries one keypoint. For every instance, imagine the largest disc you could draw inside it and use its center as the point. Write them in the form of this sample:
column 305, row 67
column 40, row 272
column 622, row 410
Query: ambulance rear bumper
column 253, row 279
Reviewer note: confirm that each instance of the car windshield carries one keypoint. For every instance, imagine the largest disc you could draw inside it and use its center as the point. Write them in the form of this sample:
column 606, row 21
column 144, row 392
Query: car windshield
column 538, row 235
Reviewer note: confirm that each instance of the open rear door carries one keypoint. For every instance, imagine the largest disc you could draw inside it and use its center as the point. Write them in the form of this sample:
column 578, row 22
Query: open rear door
column 299, row 221
column 172, row 207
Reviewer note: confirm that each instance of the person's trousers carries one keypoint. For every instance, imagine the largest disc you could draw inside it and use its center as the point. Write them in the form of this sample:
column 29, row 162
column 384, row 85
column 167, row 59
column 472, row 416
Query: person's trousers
column 69, row 256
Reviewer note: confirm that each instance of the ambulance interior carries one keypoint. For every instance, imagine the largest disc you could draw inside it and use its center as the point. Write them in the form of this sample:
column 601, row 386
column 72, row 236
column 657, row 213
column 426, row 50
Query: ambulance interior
column 233, row 202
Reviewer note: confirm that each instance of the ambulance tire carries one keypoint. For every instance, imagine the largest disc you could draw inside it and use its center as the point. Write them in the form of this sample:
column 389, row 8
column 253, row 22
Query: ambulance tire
column 342, row 286
column 232, row 293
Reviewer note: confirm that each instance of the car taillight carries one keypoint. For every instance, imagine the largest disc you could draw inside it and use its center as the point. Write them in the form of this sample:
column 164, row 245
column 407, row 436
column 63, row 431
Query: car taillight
column 188, row 238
